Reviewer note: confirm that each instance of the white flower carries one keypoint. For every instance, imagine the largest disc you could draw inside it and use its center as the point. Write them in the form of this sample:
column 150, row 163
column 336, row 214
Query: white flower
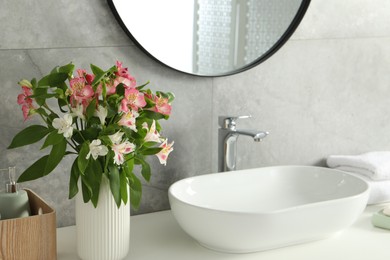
column 96, row 149
column 128, row 120
column 64, row 125
column 120, row 150
column 78, row 111
column 116, row 138
column 101, row 112
column 152, row 135
column 165, row 151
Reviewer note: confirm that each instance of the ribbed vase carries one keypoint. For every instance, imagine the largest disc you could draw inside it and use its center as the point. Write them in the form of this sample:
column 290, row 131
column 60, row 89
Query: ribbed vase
column 103, row 233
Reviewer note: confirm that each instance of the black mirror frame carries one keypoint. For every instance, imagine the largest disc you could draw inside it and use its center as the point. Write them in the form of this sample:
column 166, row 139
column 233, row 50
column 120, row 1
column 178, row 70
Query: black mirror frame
column 283, row 39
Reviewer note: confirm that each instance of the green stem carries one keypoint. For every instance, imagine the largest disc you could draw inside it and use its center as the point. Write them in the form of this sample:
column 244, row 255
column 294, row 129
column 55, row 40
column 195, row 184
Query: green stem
column 81, row 135
column 44, row 119
column 48, row 108
column 75, row 145
column 71, row 145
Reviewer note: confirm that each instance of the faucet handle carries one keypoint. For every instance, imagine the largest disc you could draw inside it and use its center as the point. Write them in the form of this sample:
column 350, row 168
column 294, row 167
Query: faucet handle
column 230, row 122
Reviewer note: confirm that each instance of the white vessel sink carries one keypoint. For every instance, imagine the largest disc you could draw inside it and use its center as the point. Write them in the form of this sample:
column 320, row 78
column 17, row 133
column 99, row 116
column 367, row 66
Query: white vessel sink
column 265, row 208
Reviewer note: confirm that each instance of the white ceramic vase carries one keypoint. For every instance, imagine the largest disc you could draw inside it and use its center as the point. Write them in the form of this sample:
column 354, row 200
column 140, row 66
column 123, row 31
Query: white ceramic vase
column 103, row 233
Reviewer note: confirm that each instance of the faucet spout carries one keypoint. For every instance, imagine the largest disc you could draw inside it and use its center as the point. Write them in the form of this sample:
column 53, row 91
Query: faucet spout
column 257, row 136
column 227, row 139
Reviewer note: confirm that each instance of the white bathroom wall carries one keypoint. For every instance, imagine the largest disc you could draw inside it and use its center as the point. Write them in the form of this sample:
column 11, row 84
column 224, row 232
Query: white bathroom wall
column 325, row 92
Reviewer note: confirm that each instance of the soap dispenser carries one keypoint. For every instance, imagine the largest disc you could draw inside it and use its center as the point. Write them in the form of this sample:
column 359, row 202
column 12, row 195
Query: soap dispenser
column 14, row 202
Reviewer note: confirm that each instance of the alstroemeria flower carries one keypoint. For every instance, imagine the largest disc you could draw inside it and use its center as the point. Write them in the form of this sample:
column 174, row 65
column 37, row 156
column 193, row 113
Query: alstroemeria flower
column 96, row 149
column 88, row 77
column 128, row 120
column 78, row 111
column 120, row 150
column 166, row 150
column 101, row 113
column 110, row 88
column 133, row 99
column 152, row 134
column 80, row 92
column 25, row 83
column 116, row 138
column 64, row 125
column 124, row 77
column 162, row 106
column 26, row 102
column 120, row 147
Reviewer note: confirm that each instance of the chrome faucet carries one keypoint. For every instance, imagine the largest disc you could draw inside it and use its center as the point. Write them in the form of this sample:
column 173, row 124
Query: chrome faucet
column 227, row 141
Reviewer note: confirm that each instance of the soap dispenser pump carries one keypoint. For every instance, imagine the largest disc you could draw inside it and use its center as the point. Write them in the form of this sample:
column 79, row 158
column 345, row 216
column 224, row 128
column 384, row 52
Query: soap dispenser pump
column 14, row 202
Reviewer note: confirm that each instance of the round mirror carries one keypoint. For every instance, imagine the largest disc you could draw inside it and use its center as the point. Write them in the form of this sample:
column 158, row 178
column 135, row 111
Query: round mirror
column 209, row 37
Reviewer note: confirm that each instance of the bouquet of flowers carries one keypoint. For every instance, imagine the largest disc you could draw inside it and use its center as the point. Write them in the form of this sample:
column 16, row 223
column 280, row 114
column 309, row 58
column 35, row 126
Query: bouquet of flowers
column 103, row 118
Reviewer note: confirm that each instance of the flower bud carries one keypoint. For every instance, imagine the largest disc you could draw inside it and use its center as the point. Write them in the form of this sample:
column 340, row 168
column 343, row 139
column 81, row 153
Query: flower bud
column 25, row 83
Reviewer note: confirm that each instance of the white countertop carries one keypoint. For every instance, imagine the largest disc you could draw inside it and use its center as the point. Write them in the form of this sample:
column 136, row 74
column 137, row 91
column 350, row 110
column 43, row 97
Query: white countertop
column 157, row 236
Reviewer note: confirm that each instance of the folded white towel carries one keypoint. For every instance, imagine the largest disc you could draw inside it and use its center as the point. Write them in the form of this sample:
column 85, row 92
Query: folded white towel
column 375, row 165
column 379, row 190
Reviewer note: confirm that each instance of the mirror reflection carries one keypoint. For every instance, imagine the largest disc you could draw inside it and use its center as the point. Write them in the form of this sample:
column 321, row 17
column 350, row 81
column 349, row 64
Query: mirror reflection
column 208, row 37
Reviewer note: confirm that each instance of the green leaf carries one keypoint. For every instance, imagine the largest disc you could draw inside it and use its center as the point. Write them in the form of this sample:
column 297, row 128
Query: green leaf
column 54, row 70
column 146, row 173
column 40, row 92
column 120, row 89
column 171, row 97
column 112, row 69
column 68, row 69
column 43, row 95
column 35, row 171
column 129, row 167
column 90, row 133
column 154, row 115
column 34, row 83
column 91, row 109
column 94, row 175
column 124, row 185
column 115, row 184
column 82, row 161
column 142, row 86
column 29, row 135
column 100, row 74
column 96, row 70
column 53, row 138
column 151, row 151
column 61, row 104
column 74, row 178
column 97, row 79
column 53, row 79
column 135, row 191
column 86, row 189
column 55, row 156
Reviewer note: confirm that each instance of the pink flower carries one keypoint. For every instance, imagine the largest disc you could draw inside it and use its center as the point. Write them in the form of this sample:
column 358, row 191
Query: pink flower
column 133, row 99
column 23, row 98
column 166, row 150
column 128, row 120
column 162, row 106
column 81, row 72
column 124, row 77
column 26, row 102
column 110, row 88
column 88, row 77
column 80, row 92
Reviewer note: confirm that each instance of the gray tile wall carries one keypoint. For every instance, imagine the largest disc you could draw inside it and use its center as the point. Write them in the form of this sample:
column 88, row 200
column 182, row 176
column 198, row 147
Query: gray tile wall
column 325, row 92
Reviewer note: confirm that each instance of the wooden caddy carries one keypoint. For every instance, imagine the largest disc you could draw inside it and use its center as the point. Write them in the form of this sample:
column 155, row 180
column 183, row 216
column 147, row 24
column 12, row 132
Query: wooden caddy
column 30, row 238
